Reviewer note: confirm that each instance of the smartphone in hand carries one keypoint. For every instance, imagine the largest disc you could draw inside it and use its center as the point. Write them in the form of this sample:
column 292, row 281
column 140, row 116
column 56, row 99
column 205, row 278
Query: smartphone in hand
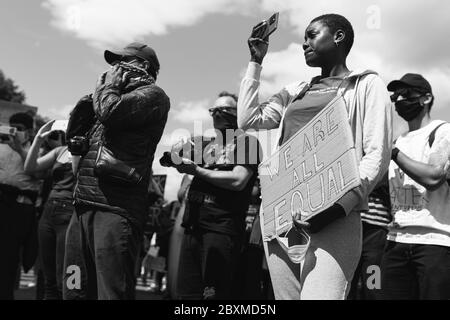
column 265, row 28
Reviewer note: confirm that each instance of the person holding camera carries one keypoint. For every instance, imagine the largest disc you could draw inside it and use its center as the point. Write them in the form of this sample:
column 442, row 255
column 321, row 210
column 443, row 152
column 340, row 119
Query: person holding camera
column 18, row 194
column 126, row 114
column 335, row 243
column 58, row 208
column 216, row 207
column 416, row 261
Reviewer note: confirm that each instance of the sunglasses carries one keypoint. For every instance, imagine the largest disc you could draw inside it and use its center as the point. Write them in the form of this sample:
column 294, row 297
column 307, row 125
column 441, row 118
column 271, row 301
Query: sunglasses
column 405, row 94
column 224, row 109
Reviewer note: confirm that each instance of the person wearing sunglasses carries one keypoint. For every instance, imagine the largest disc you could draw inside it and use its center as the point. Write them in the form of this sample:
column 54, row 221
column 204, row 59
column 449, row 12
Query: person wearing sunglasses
column 58, row 208
column 416, row 262
column 216, row 206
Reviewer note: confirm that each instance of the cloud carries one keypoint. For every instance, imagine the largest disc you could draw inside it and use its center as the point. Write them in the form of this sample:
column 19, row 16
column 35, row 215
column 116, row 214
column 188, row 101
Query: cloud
column 396, row 33
column 188, row 112
column 390, row 38
column 115, row 22
column 59, row 113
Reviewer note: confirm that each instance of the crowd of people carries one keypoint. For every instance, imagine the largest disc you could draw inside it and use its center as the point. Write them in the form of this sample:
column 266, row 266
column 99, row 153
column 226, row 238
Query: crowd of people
column 388, row 238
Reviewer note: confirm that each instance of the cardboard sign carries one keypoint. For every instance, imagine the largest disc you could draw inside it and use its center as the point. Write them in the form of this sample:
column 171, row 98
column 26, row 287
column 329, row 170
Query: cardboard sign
column 310, row 172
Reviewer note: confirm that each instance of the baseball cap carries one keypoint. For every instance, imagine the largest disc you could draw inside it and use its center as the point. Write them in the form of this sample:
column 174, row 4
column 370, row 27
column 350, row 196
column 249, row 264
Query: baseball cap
column 411, row 80
column 135, row 49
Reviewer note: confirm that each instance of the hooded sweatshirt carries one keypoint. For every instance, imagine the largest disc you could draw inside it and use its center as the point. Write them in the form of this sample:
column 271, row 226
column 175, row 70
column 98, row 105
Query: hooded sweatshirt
column 369, row 112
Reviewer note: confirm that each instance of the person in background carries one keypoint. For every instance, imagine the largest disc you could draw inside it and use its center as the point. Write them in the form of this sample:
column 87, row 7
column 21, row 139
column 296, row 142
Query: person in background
column 58, row 208
column 54, row 140
column 18, row 193
column 416, row 262
column 375, row 222
column 217, row 203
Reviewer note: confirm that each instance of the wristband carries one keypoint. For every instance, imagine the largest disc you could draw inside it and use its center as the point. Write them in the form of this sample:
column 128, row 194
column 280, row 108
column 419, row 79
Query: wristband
column 394, row 155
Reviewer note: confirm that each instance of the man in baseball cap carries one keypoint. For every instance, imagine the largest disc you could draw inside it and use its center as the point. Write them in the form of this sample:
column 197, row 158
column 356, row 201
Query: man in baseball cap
column 412, row 94
column 136, row 50
column 111, row 202
column 419, row 235
column 411, row 80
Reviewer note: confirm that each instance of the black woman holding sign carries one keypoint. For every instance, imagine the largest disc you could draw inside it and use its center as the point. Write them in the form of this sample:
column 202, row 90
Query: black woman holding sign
column 334, row 250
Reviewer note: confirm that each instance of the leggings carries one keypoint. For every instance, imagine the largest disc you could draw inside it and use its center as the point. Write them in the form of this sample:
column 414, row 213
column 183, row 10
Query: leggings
column 328, row 268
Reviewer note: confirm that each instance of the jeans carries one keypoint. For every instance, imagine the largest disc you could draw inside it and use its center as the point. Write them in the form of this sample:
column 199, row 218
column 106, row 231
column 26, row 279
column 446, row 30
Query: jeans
column 413, row 271
column 374, row 242
column 17, row 225
column 101, row 254
column 52, row 239
column 207, row 264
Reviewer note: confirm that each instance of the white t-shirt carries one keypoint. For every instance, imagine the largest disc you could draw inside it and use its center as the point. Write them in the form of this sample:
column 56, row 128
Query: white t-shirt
column 420, row 216
column 12, row 172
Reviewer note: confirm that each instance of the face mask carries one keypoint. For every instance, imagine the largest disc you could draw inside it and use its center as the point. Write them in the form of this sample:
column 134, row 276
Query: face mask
column 408, row 109
column 22, row 136
column 223, row 121
column 296, row 253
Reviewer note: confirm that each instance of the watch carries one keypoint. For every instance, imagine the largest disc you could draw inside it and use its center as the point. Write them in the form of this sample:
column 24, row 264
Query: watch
column 394, row 155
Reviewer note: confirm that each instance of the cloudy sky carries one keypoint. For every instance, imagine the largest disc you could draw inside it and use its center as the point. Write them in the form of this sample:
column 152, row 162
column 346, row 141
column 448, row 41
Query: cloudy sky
column 53, row 49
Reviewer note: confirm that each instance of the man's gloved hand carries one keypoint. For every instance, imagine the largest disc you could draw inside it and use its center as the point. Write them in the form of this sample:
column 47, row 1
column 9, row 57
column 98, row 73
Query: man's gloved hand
column 321, row 220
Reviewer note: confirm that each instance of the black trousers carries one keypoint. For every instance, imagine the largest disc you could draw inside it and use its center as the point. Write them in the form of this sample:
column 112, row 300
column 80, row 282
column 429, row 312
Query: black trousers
column 413, row 272
column 17, row 226
column 207, row 265
column 374, row 243
column 52, row 240
column 101, row 253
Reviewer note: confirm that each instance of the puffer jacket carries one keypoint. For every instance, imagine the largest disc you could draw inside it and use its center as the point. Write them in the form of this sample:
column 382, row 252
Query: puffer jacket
column 130, row 122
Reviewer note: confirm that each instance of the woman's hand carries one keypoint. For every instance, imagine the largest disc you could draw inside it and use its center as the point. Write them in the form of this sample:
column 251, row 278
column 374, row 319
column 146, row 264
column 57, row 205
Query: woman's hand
column 45, row 130
column 258, row 47
column 297, row 220
column 321, row 220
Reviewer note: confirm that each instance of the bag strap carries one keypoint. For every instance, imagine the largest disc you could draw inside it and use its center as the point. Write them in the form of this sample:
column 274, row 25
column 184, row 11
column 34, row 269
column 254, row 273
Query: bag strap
column 432, row 136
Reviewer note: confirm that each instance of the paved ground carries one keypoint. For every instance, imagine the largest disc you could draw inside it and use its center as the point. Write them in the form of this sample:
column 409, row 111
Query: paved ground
column 27, row 289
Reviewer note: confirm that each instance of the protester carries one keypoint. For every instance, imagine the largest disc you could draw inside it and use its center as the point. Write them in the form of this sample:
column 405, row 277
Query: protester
column 218, row 199
column 58, row 208
column 335, row 245
column 416, row 262
column 249, row 274
column 18, row 193
column 176, row 239
column 111, row 203
column 374, row 226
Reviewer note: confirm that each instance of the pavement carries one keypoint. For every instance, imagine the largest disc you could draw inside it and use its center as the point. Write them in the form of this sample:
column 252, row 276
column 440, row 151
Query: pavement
column 27, row 288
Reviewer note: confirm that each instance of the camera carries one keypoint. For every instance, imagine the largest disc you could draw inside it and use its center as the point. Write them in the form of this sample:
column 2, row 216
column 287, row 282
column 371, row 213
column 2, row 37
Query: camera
column 78, row 146
column 6, row 133
column 166, row 160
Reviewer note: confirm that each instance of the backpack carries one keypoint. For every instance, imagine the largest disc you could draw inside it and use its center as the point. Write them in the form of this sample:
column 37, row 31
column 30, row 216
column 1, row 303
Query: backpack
column 82, row 118
column 432, row 137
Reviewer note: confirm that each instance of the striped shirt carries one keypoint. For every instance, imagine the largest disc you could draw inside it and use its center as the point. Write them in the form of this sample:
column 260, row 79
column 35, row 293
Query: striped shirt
column 378, row 214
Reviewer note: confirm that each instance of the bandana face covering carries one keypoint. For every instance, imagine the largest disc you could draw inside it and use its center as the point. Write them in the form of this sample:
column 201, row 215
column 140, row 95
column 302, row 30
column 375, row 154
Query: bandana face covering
column 223, row 121
column 296, row 253
column 408, row 109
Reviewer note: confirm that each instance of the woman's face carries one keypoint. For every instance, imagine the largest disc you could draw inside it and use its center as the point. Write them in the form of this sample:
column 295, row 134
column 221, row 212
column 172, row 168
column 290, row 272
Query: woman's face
column 319, row 45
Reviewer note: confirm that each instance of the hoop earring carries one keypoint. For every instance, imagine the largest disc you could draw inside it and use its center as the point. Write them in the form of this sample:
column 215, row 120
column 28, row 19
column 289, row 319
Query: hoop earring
column 337, row 44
